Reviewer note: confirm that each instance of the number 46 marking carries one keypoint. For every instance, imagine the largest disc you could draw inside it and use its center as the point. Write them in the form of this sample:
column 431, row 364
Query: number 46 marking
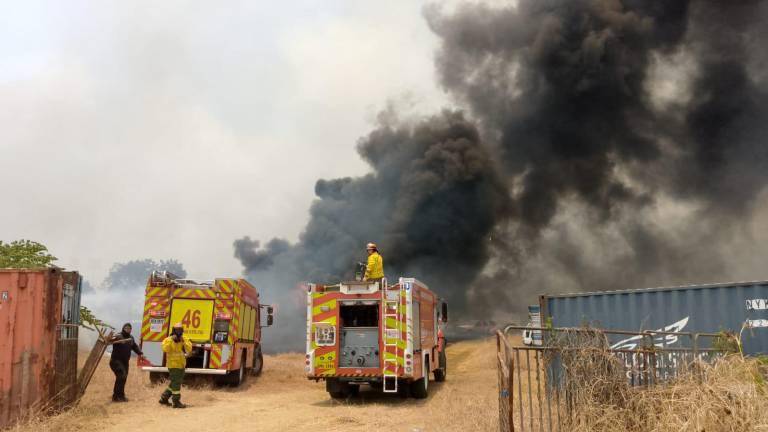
column 191, row 319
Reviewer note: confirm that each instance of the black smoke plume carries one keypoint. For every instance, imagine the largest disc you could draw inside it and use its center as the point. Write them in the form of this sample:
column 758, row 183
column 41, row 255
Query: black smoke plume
column 431, row 202
column 592, row 158
column 604, row 144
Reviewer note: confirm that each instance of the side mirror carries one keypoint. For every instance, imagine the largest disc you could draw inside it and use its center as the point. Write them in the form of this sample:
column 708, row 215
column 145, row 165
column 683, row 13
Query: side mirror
column 444, row 313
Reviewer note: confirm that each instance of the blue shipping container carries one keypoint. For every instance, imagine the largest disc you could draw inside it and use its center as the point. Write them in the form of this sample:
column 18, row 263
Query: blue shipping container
column 697, row 308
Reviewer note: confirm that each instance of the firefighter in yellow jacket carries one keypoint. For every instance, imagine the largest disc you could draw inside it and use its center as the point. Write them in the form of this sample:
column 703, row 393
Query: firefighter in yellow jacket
column 176, row 348
column 374, row 269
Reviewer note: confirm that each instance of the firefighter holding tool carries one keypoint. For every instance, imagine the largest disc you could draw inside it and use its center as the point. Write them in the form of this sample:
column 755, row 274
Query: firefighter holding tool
column 123, row 344
column 374, row 270
column 176, row 348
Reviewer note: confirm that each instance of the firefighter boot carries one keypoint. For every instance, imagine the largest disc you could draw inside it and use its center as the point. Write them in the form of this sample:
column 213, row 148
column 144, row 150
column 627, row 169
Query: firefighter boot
column 177, row 402
column 164, row 397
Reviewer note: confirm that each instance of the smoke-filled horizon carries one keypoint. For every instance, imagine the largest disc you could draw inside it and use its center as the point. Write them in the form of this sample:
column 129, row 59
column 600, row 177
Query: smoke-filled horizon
column 599, row 145
column 119, row 298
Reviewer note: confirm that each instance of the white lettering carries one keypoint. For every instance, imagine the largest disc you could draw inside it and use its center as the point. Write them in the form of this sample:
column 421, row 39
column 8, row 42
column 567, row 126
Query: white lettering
column 757, row 323
column 757, row 304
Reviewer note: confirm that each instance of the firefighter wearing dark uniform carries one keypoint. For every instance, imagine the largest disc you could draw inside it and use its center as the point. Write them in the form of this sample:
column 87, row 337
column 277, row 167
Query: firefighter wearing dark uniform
column 176, row 348
column 121, row 357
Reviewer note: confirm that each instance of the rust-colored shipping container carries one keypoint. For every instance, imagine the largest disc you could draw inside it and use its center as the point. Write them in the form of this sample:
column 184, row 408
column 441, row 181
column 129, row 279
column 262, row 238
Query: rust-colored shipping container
column 39, row 315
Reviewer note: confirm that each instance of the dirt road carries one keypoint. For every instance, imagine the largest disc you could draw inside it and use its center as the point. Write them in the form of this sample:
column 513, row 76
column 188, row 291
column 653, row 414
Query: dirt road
column 281, row 399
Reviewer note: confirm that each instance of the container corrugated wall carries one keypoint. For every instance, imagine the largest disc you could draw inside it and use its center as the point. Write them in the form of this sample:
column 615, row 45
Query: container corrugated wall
column 702, row 308
column 38, row 347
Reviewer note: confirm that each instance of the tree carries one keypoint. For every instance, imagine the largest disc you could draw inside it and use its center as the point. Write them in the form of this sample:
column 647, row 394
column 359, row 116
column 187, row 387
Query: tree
column 24, row 254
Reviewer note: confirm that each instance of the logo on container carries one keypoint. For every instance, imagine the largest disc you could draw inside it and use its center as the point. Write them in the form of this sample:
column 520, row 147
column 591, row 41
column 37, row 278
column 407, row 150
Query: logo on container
column 659, row 340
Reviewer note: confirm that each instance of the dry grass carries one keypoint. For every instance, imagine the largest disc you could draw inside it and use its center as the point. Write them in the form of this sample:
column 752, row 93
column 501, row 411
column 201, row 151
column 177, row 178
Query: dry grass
column 728, row 395
column 283, row 399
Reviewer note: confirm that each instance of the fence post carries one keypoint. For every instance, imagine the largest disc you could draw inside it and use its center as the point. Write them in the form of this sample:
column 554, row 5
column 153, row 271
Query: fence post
column 505, row 382
column 510, row 386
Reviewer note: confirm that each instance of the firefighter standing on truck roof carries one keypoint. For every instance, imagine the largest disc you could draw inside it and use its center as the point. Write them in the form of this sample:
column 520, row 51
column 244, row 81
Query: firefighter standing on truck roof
column 118, row 362
column 374, row 270
column 176, row 348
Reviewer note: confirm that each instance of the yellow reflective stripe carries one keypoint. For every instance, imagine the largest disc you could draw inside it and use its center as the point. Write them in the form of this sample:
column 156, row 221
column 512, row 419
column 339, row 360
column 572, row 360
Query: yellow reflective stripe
column 389, row 355
column 330, row 304
column 392, row 323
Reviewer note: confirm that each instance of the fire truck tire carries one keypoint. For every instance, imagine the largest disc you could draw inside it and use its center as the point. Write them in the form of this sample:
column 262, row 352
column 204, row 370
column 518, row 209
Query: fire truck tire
column 258, row 362
column 420, row 387
column 157, row 377
column 339, row 390
column 235, row 378
column 442, row 370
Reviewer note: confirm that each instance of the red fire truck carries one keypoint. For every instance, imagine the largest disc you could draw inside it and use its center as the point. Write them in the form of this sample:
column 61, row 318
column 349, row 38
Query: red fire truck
column 387, row 336
column 222, row 317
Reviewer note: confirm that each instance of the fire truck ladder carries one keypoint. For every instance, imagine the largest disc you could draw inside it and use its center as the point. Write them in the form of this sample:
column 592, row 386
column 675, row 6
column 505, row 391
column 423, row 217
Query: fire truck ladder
column 392, row 329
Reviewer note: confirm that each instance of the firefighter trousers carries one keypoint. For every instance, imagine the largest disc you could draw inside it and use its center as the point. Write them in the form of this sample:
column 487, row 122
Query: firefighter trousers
column 174, row 387
column 120, row 370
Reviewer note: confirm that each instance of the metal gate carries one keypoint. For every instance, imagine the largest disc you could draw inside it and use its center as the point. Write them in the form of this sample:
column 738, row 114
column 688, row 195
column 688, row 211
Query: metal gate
column 536, row 390
column 66, row 345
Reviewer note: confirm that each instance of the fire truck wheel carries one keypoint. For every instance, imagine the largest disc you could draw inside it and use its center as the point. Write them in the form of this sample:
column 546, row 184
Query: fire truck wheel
column 420, row 387
column 157, row 377
column 238, row 377
column 339, row 390
column 443, row 368
column 258, row 362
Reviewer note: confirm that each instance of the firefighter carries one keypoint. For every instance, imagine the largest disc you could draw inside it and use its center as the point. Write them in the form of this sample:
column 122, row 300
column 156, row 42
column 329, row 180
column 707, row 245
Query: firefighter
column 176, row 348
column 374, row 270
column 118, row 362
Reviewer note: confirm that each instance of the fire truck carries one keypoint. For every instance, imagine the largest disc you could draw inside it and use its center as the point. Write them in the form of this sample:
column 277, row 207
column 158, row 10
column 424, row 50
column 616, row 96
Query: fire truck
column 387, row 336
column 222, row 318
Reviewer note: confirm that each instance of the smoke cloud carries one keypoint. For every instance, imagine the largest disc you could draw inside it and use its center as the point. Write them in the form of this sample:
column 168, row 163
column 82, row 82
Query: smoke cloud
column 603, row 144
column 430, row 203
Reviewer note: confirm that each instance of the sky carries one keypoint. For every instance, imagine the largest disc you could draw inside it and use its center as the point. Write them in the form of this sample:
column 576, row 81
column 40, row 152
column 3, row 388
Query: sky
column 161, row 130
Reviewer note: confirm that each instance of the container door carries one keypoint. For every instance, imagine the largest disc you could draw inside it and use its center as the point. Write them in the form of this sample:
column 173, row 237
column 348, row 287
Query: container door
column 66, row 345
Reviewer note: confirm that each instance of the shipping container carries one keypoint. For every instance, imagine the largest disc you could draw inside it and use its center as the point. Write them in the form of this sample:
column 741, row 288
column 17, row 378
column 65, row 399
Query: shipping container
column 696, row 308
column 39, row 318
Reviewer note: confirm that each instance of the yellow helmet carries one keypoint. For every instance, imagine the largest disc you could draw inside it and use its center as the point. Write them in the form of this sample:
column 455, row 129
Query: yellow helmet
column 178, row 325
